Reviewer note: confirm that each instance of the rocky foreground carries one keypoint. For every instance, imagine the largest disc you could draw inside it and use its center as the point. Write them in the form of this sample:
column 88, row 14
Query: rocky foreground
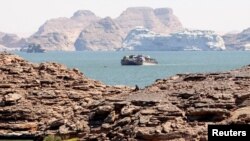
column 48, row 98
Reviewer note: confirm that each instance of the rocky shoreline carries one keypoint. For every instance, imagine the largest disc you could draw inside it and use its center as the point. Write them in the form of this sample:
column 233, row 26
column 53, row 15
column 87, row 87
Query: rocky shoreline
column 48, row 98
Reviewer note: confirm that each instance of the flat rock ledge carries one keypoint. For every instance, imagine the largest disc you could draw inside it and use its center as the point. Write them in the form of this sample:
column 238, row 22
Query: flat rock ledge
column 48, row 98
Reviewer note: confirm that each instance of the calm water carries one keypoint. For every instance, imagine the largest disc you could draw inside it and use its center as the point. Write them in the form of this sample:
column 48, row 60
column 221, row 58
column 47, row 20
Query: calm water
column 105, row 66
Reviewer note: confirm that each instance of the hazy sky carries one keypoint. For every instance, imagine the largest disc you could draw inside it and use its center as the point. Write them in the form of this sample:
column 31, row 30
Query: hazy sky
column 24, row 17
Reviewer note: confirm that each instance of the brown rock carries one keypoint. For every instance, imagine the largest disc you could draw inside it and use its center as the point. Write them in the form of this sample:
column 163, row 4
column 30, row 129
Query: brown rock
column 207, row 114
column 128, row 110
column 124, row 121
column 167, row 127
column 12, row 98
column 111, row 117
column 48, row 98
column 55, row 124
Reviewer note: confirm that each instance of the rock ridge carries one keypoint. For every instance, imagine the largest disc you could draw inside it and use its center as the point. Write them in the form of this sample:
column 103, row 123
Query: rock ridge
column 49, row 98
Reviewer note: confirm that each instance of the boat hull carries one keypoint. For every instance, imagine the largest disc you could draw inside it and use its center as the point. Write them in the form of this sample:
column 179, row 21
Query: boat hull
column 126, row 62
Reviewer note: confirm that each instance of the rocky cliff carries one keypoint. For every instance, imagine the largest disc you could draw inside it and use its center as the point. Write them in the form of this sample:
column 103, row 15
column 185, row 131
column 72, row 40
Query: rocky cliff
column 88, row 32
column 160, row 20
column 52, row 41
column 141, row 39
column 48, row 98
column 104, row 35
column 240, row 41
column 61, row 33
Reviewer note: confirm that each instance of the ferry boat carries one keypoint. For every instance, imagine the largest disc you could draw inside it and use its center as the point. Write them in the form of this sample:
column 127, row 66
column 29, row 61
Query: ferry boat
column 138, row 60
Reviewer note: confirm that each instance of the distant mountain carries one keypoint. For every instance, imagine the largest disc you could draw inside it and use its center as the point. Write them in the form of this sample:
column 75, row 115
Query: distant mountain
column 52, row 41
column 108, row 34
column 239, row 41
column 61, row 33
column 160, row 20
column 104, row 35
column 85, row 31
column 11, row 40
column 141, row 39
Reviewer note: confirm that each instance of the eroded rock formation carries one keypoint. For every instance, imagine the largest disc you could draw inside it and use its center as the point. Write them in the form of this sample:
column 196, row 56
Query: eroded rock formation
column 48, row 98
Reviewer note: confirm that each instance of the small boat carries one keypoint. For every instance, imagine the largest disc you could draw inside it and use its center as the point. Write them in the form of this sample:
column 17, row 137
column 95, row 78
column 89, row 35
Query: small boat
column 138, row 60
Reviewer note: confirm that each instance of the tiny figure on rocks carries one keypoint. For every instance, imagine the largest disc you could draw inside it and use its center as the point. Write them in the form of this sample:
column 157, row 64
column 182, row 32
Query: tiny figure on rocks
column 136, row 88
